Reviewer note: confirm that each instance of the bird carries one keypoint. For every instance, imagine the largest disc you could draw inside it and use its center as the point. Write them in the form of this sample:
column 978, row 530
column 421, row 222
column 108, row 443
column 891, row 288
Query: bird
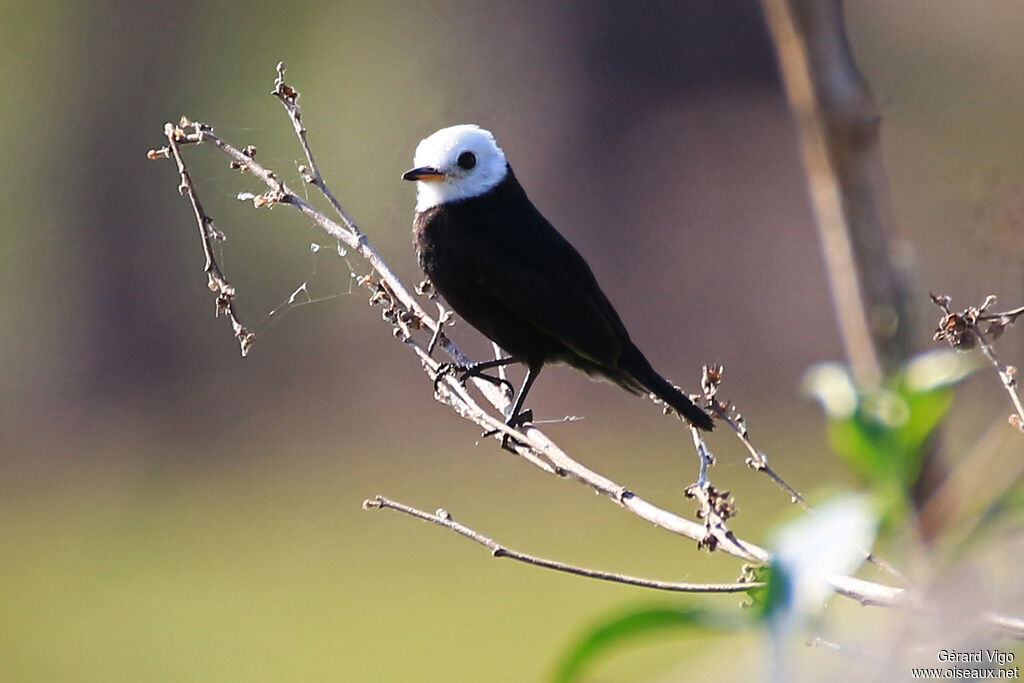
column 505, row 269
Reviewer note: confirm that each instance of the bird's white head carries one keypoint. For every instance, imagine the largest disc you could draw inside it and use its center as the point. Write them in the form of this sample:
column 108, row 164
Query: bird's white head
column 456, row 163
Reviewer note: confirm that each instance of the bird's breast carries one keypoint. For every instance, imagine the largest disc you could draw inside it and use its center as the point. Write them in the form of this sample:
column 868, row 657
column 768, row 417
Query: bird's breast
column 430, row 241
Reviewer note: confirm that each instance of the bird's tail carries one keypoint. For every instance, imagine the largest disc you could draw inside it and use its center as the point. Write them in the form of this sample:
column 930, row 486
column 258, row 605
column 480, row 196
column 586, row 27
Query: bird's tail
column 639, row 369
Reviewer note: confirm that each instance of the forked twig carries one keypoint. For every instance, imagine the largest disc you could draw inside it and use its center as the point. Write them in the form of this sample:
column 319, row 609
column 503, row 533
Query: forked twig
column 289, row 97
column 711, row 382
column 961, row 331
column 216, row 281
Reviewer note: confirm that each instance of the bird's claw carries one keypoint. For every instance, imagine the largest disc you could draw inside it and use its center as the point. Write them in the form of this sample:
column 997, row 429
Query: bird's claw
column 442, row 370
column 520, row 419
column 513, row 422
column 467, row 370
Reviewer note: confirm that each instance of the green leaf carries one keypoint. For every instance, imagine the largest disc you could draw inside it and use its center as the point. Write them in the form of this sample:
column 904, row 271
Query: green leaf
column 777, row 594
column 882, row 432
column 634, row 625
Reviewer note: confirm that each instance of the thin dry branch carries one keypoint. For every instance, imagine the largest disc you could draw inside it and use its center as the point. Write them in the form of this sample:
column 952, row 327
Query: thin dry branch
column 289, row 97
column 711, row 382
column 1008, row 378
column 207, row 233
column 443, row 519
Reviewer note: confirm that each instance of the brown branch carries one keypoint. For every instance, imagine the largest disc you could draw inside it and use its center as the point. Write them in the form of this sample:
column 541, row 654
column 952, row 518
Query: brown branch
column 443, row 519
column 798, row 77
column 838, row 124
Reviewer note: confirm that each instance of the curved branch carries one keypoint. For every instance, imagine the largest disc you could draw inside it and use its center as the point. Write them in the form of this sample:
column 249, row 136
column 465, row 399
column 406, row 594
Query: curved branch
column 443, row 519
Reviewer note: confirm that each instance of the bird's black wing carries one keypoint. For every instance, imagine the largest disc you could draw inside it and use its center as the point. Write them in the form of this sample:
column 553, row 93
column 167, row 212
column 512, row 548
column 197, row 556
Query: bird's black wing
column 526, row 265
column 557, row 307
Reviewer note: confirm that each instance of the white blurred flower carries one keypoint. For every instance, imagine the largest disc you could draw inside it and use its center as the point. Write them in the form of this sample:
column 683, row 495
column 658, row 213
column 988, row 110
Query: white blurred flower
column 832, row 540
column 830, row 383
column 938, row 368
column 808, row 551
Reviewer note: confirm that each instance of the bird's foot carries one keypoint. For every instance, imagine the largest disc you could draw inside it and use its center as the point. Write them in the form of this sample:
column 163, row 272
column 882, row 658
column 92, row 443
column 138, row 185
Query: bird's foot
column 467, row 370
column 513, row 422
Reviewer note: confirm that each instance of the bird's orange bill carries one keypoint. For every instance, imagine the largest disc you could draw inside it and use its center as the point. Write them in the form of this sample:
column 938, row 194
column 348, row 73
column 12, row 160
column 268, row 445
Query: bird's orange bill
column 423, row 173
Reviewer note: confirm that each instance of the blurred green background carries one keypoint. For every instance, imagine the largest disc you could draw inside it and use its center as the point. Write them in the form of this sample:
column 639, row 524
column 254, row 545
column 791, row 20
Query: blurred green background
column 170, row 511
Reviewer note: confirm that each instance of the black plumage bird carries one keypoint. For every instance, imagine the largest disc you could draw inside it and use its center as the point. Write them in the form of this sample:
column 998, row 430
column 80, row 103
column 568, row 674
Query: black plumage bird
column 505, row 269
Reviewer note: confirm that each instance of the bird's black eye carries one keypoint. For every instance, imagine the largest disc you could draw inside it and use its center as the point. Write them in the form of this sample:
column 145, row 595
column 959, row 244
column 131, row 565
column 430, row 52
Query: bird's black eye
column 467, row 160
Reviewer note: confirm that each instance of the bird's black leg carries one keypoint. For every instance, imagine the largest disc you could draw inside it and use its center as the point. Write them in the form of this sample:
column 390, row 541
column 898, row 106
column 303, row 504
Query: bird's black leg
column 517, row 416
column 468, row 370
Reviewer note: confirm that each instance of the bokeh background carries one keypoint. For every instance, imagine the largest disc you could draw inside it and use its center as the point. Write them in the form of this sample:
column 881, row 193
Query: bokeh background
column 170, row 511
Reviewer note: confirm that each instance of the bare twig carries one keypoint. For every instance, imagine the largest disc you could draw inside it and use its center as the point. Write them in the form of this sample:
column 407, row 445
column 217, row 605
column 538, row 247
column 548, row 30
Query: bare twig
column 289, row 97
column 707, row 458
column 961, row 331
column 1005, row 318
column 714, row 506
column 1007, row 377
column 1012, row 627
column 711, row 382
column 530, row 442
column 207, row 232
column 758, row 460
column 279, row 192
column 443, row 519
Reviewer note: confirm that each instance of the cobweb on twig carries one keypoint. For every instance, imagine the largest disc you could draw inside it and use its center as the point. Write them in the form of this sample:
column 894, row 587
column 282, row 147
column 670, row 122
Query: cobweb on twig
column 306, row 293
